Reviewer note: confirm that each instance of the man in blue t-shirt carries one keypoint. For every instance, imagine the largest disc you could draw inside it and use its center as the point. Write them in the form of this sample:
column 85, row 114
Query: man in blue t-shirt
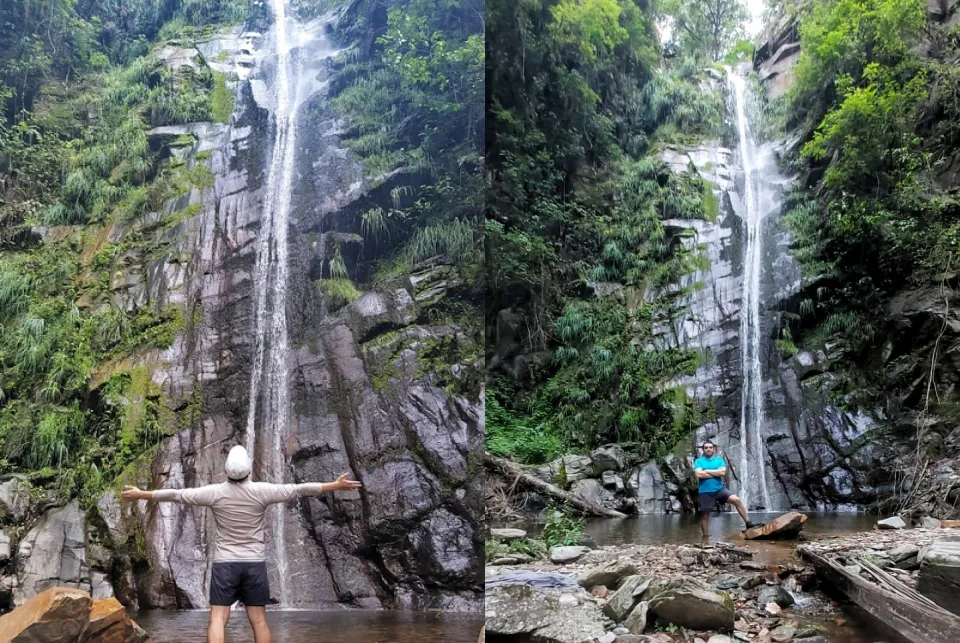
column 710, row 470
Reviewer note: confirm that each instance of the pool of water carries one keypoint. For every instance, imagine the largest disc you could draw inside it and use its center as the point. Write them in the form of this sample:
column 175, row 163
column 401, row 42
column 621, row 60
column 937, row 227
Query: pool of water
column 348, row 626
column 684, row 528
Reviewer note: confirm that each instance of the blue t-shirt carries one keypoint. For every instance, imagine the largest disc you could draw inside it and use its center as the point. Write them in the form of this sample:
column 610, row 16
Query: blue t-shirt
column 709, row 485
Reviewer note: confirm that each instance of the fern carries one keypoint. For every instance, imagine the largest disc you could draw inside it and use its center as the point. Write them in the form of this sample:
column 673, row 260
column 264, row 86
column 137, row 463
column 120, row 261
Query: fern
column 452, row 239
column 374, row 223
column 337, row 266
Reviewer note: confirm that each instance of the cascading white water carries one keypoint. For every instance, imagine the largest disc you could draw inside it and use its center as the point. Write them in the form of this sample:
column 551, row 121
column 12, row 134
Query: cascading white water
column 757, row 202
column 270, row 372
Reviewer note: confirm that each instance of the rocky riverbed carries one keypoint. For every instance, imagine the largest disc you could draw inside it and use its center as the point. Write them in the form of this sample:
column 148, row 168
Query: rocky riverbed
column 715, row 593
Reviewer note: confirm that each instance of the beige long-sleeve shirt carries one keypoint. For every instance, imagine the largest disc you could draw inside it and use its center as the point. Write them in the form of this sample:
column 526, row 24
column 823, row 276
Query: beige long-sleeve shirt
column 238, row 511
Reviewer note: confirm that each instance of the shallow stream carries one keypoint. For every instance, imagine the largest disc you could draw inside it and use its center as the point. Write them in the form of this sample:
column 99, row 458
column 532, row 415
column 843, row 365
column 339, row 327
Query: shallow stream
column 837, row 623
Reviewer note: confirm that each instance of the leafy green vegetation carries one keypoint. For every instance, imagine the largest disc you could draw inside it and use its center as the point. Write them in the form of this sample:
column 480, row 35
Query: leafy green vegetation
column 79, row 88
column 581, row 103
column 562, row 529
column 882, row 121
column 414, row 109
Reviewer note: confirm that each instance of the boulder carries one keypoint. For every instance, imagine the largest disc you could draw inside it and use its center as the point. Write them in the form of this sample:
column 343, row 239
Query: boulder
column 896, row 522
column 4, row 547
column 626, row 598
column 609, row 457
column 612, row 481
column 689, row 603
column 929, row 523
column 751, row 582
column 939, row 578
column 789, row 525
column 52, row 554
column 775, row 594
column 636, row 621
column 57, row 615
column 783, row 634
column 109, row 623
column 593, row 492
column 576, row 467
column 110, row 511
column 549, row 615
column 647, row 486
column 903, row 552
column 507, row 535
column 608, row 574
column 564, row 555
column 14, row 499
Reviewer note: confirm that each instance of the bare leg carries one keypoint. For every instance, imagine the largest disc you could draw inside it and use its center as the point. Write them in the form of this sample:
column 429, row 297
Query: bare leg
column 258, row 619
column 704, row 521
column 219, row 615
column 738, row 505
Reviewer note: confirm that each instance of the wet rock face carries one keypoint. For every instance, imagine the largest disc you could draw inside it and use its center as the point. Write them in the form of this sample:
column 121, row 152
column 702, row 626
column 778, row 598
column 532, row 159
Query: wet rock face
column 777, row 55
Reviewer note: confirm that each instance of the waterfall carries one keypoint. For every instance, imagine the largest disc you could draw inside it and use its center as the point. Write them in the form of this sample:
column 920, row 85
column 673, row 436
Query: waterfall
column 270, row 371
column 758, row 201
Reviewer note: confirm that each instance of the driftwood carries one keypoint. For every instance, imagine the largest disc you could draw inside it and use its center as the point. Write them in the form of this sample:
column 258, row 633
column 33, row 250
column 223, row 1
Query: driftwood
column 514, row 472
column 910, row 614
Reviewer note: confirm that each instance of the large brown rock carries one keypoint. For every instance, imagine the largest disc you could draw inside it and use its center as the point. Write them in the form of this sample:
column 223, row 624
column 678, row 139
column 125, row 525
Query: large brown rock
column 109, row 623
column 57, row 615
column 787, row 526
column 689, row 603
column 66, row 615
column 608, row 575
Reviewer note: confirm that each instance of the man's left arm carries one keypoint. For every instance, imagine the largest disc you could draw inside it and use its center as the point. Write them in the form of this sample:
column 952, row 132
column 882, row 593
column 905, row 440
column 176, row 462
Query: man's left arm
column 273, row 493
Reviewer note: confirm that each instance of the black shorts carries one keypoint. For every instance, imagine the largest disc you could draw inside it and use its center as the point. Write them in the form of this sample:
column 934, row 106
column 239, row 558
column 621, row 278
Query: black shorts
column 244, row 582
column 709, row 501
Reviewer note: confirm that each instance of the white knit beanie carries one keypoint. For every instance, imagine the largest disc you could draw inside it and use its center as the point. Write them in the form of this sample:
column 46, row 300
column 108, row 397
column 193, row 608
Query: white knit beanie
column 238, row 463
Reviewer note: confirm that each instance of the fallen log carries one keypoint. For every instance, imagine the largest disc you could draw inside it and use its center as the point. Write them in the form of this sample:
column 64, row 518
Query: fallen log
column 893, row 604
column 515, row 472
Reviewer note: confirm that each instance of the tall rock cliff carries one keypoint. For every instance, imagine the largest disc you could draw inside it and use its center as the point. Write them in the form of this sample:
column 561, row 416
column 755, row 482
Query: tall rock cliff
column 385, row 387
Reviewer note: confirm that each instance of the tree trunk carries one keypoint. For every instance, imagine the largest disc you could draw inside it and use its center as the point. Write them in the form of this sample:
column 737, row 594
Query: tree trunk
column 513, row 471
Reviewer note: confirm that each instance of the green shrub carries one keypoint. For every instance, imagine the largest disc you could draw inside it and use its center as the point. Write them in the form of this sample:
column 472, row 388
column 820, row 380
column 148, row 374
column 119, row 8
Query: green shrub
column 562, row 529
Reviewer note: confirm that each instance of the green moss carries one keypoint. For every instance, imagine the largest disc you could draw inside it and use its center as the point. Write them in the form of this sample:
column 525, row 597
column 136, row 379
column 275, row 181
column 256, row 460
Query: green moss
column 437, row 356
column 339, row 291
column 221, row 98
column 176, row 218
column 184, row 140
column 711, row 205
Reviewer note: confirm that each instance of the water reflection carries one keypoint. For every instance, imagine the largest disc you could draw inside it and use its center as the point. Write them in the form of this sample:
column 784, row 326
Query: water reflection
column 353, row 626
column 684, row 528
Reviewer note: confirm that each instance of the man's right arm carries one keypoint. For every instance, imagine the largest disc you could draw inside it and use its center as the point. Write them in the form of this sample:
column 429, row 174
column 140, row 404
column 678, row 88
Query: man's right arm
column 199, row 496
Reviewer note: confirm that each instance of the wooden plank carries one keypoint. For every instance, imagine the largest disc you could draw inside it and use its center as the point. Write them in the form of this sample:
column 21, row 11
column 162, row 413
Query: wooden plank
column 915, row 621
